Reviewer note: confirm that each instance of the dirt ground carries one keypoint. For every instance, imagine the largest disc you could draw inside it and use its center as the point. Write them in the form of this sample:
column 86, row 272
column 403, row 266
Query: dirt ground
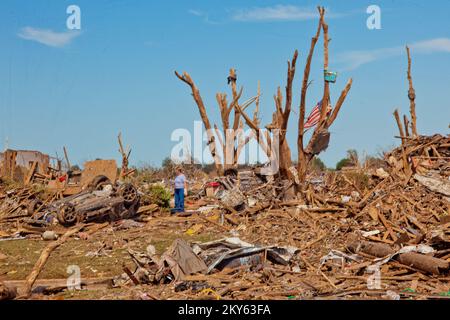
column 100, row 256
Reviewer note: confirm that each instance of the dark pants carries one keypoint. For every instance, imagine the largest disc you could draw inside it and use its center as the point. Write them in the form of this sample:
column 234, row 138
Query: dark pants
column 179, row 200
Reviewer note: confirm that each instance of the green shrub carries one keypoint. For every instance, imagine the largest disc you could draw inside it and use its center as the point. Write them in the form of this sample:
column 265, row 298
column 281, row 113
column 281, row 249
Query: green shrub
column 343, row 163
column 158, row 195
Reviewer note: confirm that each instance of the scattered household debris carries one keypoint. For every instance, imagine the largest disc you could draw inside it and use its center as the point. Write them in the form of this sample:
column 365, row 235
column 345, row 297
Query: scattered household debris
column 380, row 231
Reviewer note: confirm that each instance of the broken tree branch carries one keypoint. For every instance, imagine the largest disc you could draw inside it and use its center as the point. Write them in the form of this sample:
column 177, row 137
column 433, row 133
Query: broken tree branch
column 40, row 263
column 339, row 103
column 406, row 123
column 125, row 156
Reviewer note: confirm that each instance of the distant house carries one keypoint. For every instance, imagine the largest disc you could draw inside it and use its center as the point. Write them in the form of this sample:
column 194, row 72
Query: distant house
column 15, row 164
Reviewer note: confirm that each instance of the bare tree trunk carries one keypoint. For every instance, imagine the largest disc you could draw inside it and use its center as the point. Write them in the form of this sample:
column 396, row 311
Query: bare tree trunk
column 399, row 125
column 305, row 155
column 283, row 120
column 125, row 155
column 402, row 134
column 406, row 123
column 412, row 97
column 302, row 160
column 232, row 136
column 201, row 107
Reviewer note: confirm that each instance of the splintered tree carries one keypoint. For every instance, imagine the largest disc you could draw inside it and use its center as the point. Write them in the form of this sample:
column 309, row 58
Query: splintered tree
column 231, row 140
column 125, row 153
column 320, row 136
column 280, row 119
column 404, row 131
column 404, row 128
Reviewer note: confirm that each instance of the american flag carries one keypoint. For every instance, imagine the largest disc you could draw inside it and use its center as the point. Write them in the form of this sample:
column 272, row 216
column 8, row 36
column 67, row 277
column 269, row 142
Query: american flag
column 314, row 116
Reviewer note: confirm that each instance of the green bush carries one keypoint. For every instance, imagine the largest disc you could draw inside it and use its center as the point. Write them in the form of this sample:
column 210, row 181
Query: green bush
column 159, row 195
column 343, row 163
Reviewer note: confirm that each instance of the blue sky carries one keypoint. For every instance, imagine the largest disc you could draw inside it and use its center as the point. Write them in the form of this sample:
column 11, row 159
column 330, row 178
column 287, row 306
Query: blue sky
column 79, row 89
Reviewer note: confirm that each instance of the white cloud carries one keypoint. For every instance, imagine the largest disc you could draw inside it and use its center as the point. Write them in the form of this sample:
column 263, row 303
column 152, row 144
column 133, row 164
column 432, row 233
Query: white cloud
column 203, row 15
column 196, row 13
column 278, row 13
column 431, row 46
column 354, row 59
column 48, row 37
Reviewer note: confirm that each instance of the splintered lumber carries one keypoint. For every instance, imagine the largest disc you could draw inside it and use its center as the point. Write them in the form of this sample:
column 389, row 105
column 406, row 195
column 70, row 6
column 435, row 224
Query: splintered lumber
column 31, row 172
column 56, row 285
column 258, row 208
column 40, row 263
column 148, row 209
column 131, row 275
column 214, row 223
column 418, row 261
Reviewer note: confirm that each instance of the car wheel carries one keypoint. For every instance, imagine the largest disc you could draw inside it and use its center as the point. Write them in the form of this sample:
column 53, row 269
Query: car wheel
column 129, row 194
column 67, row 215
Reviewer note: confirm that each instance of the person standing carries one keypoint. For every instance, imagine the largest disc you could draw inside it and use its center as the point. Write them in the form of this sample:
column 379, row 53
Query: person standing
column 180, row 186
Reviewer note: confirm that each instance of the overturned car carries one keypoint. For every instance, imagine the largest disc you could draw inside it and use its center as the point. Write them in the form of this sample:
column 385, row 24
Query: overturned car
column 103, row 201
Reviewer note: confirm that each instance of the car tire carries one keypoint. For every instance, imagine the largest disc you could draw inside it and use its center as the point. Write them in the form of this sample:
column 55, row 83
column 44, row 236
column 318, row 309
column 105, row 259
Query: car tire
column 98, row 182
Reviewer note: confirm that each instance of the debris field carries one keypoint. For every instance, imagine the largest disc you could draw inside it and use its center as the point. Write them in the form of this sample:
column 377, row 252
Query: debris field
column 378, row 230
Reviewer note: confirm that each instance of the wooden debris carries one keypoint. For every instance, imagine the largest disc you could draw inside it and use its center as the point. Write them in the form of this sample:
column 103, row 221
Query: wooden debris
column 40, row 263
column 416, row 260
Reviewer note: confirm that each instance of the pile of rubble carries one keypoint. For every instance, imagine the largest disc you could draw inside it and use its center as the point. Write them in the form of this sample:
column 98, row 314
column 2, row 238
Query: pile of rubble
column 355, row 234
column 386, row 237
column 28, row 210
column 396, row 226
column 19, row 203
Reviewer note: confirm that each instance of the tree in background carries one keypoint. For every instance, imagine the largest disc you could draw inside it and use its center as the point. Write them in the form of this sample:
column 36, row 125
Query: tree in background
column 345, row 162
column 167, row 163
column 352, row 156
column 231, row 140
column 317, row 164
